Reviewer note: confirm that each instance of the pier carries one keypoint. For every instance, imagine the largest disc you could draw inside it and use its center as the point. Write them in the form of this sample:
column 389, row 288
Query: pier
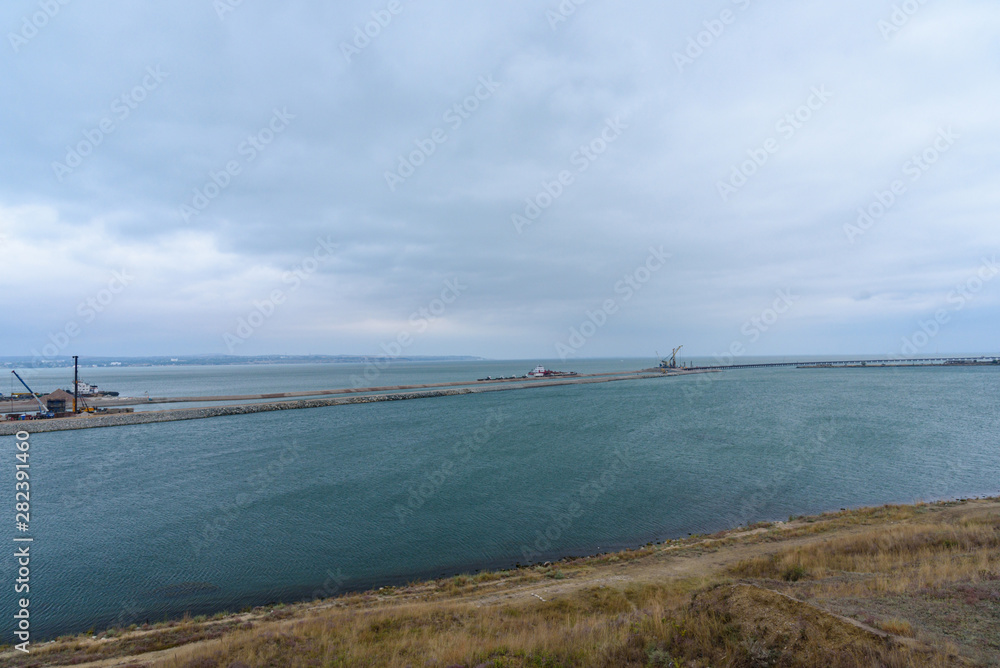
column 919, row 361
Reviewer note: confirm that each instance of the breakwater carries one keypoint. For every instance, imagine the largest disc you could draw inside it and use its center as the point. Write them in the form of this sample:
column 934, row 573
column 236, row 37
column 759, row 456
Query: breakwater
column 93, row 421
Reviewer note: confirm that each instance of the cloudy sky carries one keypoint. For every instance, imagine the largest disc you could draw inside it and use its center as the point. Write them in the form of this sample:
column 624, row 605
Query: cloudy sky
column 489, row 178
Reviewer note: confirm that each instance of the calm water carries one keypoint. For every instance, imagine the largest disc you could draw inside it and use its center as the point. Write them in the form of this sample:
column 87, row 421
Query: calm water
column 151, row 521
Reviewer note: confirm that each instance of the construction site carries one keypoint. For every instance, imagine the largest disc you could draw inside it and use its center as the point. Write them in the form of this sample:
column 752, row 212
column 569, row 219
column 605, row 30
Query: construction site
column 31, row 405
column 85, row 406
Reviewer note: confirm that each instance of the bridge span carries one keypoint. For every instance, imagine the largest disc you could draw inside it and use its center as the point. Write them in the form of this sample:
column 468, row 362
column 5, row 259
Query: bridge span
column 920, row 361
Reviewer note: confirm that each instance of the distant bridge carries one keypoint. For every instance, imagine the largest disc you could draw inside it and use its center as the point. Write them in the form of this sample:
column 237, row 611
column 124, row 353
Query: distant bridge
column 923, row 361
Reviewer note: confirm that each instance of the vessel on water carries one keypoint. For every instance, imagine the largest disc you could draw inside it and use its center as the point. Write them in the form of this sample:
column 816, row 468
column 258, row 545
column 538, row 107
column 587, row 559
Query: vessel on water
column 541, row 372
column 85, row 389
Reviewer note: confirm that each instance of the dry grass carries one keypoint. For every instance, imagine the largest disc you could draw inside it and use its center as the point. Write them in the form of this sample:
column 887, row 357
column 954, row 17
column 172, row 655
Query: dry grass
column 562, row 632
column 939, row 568
column 901, row 557
column 118, row 643
column 645, row 625
column 896, row 626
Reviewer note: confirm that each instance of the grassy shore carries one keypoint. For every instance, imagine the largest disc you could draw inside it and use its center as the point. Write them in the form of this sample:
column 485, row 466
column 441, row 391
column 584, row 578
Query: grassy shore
column 893, row 586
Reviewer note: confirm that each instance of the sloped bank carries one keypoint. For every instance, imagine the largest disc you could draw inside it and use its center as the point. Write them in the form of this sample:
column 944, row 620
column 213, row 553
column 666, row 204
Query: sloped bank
column 890, row 586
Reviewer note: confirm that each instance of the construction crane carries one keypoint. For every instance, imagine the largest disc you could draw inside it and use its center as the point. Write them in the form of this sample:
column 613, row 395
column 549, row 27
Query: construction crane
column 77, row 399
column 672, row 362
column 42, row 410
column 85, row 407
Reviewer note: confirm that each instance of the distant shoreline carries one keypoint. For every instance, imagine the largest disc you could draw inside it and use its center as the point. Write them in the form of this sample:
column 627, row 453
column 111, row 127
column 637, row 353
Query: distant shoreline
column 222, row 360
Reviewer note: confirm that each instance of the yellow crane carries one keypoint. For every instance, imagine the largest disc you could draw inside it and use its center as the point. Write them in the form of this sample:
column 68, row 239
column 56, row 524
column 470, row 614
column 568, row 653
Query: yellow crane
column 672, row 362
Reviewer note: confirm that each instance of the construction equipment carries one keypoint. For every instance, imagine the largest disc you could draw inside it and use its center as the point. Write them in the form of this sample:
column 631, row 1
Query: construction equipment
column 672, row 362
column 42, row 410
column 85, row 407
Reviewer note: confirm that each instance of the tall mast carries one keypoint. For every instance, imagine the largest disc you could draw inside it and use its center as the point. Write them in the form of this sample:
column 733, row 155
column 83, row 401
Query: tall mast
column 76, row 380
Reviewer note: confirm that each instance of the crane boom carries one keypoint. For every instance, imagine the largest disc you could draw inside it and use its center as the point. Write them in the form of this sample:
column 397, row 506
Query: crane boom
column 41, row 407
column 672, row 362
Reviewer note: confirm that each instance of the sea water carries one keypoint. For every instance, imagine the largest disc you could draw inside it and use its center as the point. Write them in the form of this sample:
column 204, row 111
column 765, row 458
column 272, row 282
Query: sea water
column 151, row 521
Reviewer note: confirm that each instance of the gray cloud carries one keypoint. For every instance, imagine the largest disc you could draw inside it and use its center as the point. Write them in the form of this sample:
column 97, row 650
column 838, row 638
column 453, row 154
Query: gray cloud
column 324, row 174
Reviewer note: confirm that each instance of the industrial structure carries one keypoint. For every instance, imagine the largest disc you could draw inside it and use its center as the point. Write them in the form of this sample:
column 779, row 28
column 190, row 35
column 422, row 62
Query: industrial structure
column 43, row 410
column 61, row 403
column 672, row 362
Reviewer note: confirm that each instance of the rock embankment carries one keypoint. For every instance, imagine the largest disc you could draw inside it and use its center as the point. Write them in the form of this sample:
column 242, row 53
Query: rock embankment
column 92, row 421
column 147, row 417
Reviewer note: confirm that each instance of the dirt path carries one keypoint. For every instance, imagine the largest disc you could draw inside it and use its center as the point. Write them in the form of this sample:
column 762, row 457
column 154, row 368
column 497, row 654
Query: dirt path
column 688, row 561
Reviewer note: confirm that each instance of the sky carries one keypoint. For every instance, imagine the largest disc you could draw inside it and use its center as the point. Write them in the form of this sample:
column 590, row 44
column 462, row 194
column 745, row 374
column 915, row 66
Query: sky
column 507, row 179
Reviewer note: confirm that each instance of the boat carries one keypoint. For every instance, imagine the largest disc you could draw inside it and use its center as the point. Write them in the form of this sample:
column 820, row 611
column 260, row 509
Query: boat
column 85, row 389
column 541, row 372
